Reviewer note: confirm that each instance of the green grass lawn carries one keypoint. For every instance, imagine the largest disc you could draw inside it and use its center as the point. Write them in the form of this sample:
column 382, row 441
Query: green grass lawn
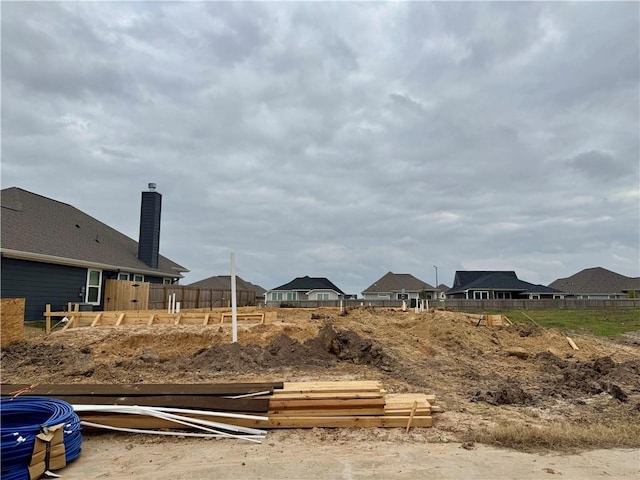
column 602, row 323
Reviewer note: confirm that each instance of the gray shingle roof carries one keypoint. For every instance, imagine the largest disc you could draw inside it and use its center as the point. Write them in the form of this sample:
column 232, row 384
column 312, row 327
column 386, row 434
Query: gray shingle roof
column 306, row 284
column 494, row 280
column 597, row 280
column 396, row 282
column 38, row 226
column 223, row 282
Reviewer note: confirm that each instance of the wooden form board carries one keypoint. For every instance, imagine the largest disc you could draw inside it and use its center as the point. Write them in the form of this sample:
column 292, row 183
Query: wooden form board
column 242, row 316
column 78, row 318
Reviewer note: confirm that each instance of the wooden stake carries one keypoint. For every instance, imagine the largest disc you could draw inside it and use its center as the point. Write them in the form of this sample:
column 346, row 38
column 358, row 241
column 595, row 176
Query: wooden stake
column 572, row 343
column 47, row 315
column 413, row 412
column 96, row 320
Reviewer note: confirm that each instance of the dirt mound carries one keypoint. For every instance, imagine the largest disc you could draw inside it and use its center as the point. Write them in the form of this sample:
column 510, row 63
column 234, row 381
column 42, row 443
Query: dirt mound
column 283, row 351
column 602, row 374
column 508, row 393
column 43, row 359
column 324, row 350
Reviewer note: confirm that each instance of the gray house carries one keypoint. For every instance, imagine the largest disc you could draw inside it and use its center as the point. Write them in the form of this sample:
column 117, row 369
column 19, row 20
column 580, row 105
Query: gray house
column 305, row 288
column 598, row 283
column 499, row 285
column 399, row 286
column 54, row 253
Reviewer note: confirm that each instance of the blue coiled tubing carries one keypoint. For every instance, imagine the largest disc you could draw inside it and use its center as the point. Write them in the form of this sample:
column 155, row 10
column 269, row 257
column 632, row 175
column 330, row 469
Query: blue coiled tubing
column 23, row 417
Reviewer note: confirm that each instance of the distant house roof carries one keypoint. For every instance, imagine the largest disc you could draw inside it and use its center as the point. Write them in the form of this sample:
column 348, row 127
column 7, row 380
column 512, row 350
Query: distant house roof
column 396, row 282
column 442, row 287
column 40, row 229
column 597, row 280
column 223, row 282
column 306, row 284
column 494, row 280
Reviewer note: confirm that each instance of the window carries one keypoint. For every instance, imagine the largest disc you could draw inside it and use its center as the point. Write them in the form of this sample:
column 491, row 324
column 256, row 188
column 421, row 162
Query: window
column 292, row 296
column 123, row 276
column 138, row 278
column 167, row 281
column 323, row 296
column 503, row 295
column 276, row 296
column 480, row 295
column 94, row 284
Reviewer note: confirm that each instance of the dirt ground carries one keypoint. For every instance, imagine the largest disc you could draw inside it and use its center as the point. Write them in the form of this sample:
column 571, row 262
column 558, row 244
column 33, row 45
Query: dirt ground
column 483, row 376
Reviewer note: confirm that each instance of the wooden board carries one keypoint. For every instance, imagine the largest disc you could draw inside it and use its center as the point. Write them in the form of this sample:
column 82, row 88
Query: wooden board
column 142, row 389
column 326, row 403
column 328, row 413
column 194, row 402
column 326, row 387
column 281, row 395
column 11, row 320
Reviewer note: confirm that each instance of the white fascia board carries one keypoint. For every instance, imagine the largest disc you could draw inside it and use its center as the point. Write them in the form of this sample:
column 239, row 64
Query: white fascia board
column 40, row 257
column 322, row 290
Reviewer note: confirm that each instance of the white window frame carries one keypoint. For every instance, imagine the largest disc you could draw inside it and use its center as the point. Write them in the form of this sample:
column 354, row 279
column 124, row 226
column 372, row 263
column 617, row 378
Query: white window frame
column 123, row 274
column 138, row 277
column 292, row 296
column 91, row 288
column 276, row 296
column 167, row 281
column 481, row 295
column 322, row 296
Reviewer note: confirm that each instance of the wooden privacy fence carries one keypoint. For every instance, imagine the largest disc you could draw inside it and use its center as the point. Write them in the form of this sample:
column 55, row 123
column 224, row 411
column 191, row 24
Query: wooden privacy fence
column 192, row 297
column 470, row 305
column 125, row 295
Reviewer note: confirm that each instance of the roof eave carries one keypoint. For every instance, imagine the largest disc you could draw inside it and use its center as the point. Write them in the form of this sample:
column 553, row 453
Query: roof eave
column 40, row 257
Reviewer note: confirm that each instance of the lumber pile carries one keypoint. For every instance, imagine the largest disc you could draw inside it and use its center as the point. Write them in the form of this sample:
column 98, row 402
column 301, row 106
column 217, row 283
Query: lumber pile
column 344, row 404
column 261, row 405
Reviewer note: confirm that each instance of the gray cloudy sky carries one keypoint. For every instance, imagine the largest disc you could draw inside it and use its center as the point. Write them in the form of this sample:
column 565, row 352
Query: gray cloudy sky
column 337, row 139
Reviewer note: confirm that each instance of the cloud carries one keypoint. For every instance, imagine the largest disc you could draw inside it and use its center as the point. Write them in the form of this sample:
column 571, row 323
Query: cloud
column 344, row 138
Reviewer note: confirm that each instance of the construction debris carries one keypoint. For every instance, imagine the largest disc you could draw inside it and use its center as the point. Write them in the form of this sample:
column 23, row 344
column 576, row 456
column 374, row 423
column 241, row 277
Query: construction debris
column 284, row 405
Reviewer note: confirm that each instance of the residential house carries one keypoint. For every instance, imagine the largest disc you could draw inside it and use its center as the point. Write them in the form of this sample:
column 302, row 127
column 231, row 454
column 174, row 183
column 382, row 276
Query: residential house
column 399, row 286
column 305, row 288
column 442, row 289
column 598, row 283
column 223, row 283
column 53, row 253
column 500, row 285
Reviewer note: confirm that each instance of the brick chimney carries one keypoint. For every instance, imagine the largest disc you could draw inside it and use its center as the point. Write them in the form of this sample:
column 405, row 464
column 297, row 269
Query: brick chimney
column 149, row 239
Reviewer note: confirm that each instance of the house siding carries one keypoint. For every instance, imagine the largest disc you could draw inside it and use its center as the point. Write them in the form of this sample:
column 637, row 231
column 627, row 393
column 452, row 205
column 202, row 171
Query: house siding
column 40, row 284
column 313, row 295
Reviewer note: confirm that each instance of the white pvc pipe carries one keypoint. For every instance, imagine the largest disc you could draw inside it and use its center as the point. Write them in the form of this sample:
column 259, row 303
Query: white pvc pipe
column 234, row 307
column 257, row 438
